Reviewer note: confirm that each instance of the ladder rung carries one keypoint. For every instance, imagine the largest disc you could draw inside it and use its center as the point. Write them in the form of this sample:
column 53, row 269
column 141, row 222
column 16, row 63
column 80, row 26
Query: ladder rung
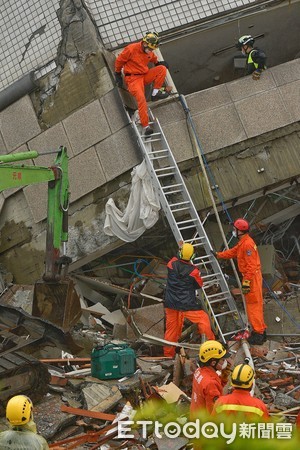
column 180, row 209
column 154, row 152
column 158, row 157
column 199, row 238
column 179, row 204
column 232, row 311
column 185, row 221
column 232, row 332
column 211, row 275
column 186, row 228
column 171, row 186
column 219, row 293
column 173, row 192
column 218, row 300
column 164, row 168
column 165, row 175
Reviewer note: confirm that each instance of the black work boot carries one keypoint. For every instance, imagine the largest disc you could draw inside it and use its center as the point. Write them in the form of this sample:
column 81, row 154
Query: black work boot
column 265, row 335
column 148, row 131
column 256, row 338
column 160, row 95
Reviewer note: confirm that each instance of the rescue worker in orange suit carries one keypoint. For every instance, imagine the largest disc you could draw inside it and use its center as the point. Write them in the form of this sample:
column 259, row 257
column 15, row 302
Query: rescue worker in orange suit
column 256, row 58
column 134, row 60
column 249, row 265
column 180, row 298
column 240, row 400
column 207, row 384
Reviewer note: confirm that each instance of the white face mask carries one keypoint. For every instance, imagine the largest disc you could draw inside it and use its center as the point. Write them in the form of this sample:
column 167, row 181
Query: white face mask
column 224, row 365
column 234, row 233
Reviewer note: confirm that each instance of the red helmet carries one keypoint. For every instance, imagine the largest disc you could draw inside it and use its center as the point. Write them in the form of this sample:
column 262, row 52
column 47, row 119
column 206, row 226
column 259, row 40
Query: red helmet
column 241, row 224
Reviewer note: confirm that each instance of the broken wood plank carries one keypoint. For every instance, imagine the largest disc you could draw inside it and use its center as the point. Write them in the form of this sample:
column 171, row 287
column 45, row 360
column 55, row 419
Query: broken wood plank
column 87, row 413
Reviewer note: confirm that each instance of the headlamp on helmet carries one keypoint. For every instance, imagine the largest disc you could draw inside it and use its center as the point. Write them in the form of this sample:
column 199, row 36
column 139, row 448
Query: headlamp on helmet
column 245, row 40
column 212, row 350
column 152, row 40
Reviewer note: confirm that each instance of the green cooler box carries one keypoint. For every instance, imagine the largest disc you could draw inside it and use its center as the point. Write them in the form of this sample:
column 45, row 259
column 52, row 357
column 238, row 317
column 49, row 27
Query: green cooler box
column 113, row 361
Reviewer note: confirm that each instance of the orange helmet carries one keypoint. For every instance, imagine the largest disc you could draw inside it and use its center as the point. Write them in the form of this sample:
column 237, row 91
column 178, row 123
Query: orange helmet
column 241, row 225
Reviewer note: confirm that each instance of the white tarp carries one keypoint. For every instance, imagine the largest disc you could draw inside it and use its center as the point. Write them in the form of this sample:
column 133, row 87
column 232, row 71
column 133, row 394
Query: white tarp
column 141, row 212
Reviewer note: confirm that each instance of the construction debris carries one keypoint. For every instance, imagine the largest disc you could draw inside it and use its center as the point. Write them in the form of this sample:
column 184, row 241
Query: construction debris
column 78, row 410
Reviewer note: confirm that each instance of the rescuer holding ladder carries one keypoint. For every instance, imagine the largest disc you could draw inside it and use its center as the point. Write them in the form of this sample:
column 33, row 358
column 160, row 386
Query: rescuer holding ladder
column 180, row 297
column 248, row 262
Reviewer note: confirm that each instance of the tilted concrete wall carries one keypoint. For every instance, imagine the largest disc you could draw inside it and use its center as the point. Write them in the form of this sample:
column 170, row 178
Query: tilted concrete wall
column 243, row 126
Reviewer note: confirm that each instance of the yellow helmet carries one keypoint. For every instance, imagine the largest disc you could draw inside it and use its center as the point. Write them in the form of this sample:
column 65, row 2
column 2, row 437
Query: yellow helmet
column 19, row 410
column 152, row 40
column 212, row 350
column 242, row 376
column 186, row 252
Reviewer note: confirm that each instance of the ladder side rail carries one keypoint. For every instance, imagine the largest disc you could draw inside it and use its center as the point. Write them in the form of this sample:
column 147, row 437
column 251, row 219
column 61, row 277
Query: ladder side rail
column 199, row 229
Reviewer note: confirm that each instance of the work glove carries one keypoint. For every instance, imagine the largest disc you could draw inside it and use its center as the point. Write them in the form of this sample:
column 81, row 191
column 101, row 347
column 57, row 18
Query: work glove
column 225, row 374
column 256, row 75
column 162, row 63
column 213, row 252
column 119, row 79
column 246, row 286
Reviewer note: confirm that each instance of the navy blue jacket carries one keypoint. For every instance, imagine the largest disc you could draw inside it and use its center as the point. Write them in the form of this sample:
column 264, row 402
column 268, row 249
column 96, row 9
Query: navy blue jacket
column 183, row 280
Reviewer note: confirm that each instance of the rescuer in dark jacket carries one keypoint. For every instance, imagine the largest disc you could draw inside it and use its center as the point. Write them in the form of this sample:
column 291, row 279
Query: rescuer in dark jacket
column 180, row 298
column 256, row 58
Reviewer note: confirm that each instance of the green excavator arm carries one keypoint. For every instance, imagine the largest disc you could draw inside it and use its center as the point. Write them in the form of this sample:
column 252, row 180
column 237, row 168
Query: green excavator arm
column 55, row 298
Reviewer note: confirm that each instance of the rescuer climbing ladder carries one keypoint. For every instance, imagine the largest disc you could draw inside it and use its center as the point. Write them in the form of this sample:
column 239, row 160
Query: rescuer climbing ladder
column 176, row 201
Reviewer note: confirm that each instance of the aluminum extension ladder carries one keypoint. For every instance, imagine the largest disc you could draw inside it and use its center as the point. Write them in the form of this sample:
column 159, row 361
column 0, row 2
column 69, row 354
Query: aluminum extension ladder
column 174, row 198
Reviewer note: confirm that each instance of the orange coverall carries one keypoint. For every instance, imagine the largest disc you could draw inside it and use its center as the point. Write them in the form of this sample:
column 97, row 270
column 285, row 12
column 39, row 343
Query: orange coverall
column 207, row 388
column 134, row 62
column 240, row 401
column 249, row 265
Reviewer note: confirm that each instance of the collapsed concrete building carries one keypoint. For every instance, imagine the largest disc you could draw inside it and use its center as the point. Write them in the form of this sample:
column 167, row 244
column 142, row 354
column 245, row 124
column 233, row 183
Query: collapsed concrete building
column 248, row 132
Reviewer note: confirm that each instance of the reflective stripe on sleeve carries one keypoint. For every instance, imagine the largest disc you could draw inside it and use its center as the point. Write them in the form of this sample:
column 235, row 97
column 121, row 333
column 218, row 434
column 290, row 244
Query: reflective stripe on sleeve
column 239, row 408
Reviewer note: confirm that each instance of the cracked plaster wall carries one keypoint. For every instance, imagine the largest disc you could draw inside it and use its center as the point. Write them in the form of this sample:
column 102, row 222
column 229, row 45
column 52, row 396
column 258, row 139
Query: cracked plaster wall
column 84, row 112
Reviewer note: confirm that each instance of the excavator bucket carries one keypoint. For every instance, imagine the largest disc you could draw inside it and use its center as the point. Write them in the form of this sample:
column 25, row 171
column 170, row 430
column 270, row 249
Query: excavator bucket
column 57, row 302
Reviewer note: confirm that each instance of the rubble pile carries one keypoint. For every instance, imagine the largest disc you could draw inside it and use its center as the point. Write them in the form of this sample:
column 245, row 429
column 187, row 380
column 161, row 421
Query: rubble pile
column 80, row 406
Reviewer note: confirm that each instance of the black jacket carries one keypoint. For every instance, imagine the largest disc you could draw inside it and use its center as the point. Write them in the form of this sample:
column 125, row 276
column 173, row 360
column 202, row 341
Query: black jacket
column 183, row 280
column 258, row 62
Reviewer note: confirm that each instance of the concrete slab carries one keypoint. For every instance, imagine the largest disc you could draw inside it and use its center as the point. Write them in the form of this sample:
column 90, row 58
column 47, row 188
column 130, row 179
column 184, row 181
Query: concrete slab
column 3, row 150
column 50, row 140
column 246, row 87
column 114, row 110
column 179, row 140
column 86, row 127
column 219, row 128
column 270, row 113
column 286, row 73
column 149, row 319
column 18, row 123
column 291, row 94
column 118, row 153
column 87, row 168
column 2, row 200
column 208, row 99
column 168, row 112
column 37, row 199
